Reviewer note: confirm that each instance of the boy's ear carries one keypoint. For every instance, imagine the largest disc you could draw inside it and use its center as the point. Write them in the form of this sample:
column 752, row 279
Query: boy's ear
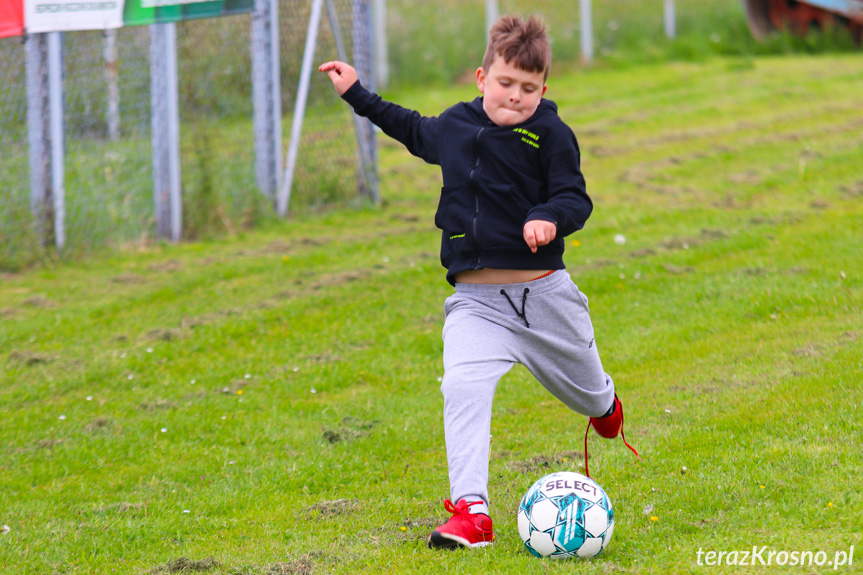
column 544, row 88
column 480, row 80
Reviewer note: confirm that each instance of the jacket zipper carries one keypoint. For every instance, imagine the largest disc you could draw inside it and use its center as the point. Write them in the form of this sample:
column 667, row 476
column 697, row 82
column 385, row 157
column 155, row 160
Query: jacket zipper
column 475, row 217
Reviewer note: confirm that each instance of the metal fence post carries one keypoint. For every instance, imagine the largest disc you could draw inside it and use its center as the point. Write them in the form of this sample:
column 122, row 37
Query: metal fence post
column 492, row 12
column 55, row 105
column 382, row 66
column 266, row 95
column 112, row 85
column 586, row 22
column 362, row 30
column 165, row 131
column 365, row 140
column 670, row 31
column 45, row 125
column 39, row 139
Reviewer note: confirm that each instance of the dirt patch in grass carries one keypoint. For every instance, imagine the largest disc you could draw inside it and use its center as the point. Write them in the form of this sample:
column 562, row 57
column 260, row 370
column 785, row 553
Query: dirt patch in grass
column 747, row 177
column 544, row 462
column 323, row 358
column 100, row 425
column 680, row 243
column 48, row 443
column 418, row 528
column 38, row 301
column 168, row 266
column 191, row 322
column 351, row 428
column 128, row 279
column 302, row 566
column 852, row 191
column 120, row 508
column 164, row 334
column 334, row 508
column 809, row 350
column 186, row 565
column 422, row 523
column 763, row 271
column 850, row 336
column 156, row 405
column 685, row 243
column 677, row 270
column 285, row 247
column 29, row 358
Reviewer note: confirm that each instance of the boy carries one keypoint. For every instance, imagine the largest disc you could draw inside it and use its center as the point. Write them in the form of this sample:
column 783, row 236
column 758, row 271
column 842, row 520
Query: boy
column 512, row 190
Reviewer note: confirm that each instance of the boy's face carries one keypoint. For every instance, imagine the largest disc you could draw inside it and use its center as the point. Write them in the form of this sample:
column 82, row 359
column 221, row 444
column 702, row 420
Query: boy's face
column 510, row 95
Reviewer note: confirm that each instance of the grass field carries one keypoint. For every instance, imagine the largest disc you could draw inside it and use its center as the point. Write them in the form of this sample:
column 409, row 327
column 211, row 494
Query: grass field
column 268, row 403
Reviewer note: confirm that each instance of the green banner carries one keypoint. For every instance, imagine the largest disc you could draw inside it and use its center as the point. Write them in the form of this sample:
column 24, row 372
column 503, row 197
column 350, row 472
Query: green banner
column 137, row 12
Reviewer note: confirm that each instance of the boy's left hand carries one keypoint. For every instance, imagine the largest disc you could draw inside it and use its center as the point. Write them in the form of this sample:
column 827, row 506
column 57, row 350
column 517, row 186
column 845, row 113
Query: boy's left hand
column 539, row 233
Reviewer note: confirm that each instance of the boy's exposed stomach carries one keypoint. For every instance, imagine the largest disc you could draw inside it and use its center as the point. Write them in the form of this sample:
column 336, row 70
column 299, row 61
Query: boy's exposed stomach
column 498, row 276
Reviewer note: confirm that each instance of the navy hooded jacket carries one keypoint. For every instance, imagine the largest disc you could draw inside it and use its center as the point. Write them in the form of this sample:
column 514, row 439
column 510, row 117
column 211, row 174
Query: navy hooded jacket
column 495, row 179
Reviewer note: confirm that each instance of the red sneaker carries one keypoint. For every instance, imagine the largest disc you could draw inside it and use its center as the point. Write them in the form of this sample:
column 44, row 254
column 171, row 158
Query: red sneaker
column 608, row 427
column 464, row 529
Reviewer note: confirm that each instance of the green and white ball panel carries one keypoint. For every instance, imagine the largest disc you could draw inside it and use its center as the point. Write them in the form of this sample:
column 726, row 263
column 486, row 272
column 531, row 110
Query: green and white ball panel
column 565, row 514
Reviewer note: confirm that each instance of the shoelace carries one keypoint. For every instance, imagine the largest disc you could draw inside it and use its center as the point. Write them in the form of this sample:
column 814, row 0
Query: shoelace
column 515, row 309
column 622, row 435
column 461, row 509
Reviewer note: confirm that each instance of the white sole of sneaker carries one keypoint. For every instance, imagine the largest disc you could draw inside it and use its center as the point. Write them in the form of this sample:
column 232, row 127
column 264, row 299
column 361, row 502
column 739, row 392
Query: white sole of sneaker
column 447, row 541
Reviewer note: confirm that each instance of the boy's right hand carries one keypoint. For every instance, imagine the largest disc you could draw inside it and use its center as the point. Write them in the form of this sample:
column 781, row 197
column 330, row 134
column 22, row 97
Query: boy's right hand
column 342, row 75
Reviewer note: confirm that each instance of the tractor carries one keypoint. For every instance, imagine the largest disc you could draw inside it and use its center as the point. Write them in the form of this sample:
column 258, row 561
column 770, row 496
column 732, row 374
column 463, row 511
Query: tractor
column 803, row 16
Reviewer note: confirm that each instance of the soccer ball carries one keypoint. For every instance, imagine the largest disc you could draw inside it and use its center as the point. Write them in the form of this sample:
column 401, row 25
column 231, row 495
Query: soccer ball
column 565, row 514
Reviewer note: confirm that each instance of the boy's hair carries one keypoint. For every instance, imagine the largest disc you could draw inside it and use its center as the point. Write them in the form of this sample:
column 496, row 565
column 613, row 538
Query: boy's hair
column 525, row 44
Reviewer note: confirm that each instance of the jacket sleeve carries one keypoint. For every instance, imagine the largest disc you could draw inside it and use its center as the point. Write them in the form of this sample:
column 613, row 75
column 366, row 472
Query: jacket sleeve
column 568, row 204
column 419, row 134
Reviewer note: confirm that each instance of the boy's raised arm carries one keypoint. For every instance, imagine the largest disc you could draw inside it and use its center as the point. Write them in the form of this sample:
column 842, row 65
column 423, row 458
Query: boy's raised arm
column 419, row 134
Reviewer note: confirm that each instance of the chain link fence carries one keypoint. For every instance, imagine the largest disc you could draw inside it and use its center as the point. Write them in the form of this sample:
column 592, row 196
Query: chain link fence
column 108, row 153
column 14, row 182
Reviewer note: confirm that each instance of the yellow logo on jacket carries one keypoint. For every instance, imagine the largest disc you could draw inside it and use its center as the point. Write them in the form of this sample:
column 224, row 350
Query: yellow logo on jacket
column 528, row 137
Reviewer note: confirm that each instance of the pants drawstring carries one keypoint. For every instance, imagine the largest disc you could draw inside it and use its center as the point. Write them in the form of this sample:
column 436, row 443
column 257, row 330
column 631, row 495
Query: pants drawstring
column 521, row 313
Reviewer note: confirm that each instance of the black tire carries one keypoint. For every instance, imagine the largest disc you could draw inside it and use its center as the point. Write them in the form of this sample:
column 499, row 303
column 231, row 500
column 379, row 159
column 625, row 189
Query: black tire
column 758, row 17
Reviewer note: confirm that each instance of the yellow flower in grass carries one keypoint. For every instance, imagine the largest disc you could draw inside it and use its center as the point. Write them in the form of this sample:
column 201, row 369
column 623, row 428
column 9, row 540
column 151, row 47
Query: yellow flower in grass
column 654, row 518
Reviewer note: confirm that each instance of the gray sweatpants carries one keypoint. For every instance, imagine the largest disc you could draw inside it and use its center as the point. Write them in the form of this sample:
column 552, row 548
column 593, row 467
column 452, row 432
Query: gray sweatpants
column 484, row 334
